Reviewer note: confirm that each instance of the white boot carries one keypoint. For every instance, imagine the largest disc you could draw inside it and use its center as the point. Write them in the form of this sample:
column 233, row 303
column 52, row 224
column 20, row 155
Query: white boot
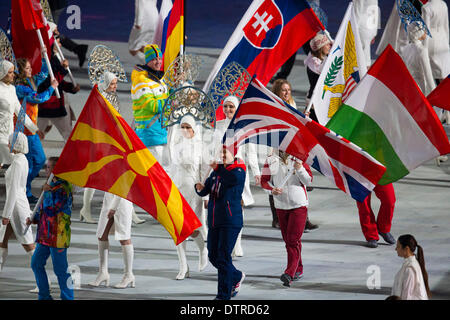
column 103, row 275
column 184, row 268
column 136, row 218
column 3, row 255
column 128, row 277
column 85, row 212
column 203, row 252
column 237, row 251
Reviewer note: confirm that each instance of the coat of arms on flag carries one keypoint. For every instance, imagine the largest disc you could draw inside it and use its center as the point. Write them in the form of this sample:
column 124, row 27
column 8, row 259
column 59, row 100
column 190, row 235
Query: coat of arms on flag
column 343, row 69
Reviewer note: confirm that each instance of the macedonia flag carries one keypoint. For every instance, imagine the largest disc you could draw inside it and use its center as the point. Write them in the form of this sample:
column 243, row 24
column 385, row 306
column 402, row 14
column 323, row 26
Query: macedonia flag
column 104, row 153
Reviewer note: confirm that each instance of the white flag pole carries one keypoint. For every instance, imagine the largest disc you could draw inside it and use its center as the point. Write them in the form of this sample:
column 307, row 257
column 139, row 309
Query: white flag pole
column 38, row 203
column 68, row 68
column 47, row 61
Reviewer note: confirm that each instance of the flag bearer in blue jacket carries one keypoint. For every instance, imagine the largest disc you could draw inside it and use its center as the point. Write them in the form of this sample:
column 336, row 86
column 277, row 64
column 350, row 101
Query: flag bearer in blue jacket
column 224, row 186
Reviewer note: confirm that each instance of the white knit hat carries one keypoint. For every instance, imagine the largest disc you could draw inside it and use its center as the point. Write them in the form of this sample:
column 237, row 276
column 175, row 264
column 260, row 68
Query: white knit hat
column 233, row 99
column 21, row 144
column 318, row 41
column 106, row 80
column 5, row 65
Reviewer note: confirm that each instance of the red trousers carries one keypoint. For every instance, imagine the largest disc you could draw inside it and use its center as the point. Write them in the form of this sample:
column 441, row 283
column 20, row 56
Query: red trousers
column 292, row 223
column 369, row 226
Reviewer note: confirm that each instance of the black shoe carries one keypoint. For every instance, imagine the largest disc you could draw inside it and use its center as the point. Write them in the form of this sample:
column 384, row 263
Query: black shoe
column 387, row 237
column 309, row 189
column 32, row 199
column 81, row 51
column 275, row 224
column 310, row 226
column 372, row 243
column 286, row 279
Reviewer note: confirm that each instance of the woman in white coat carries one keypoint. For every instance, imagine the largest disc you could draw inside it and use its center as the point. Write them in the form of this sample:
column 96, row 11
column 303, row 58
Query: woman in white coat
column 435, row 15
column 116, row 212
column 16, row 209
column 108, row 87
column 230, row 105
column 411, row 281
column 187, row 169
column 145, row 20
column 9, row 105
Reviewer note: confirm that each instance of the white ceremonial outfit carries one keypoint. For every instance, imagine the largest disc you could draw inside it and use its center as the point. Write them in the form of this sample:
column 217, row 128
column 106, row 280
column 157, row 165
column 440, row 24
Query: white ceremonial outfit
column 367, row 17
column 394, row 34
column 408, row 282
column 17, row 208
column 146, row 17
column 9, row 105
column 188, row 168
column 415, row 56
column 435, row 15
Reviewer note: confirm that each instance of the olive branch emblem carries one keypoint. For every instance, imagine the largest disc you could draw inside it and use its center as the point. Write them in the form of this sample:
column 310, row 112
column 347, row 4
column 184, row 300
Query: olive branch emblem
column 332, row 72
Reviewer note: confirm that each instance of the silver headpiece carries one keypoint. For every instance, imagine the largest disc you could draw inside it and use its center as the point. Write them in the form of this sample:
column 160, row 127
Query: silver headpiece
column 103, row 59
column 6, row 50
column 47, row 11
column 184, row 69
column 232, row 80
column 188, row 100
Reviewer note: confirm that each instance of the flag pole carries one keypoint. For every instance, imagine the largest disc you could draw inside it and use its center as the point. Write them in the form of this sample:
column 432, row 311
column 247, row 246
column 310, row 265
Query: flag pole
column 38, row 203
column 47, row 61
column 63, row 58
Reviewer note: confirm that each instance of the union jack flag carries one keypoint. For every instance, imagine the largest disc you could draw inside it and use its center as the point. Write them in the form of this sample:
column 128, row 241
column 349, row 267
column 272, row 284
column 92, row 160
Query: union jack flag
column 263, row 118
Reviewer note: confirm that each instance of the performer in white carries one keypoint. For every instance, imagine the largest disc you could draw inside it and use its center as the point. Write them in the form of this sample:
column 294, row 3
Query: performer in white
column 188, row 168
column 367, row 15
column 145, row 20
column 230, row 105
column 9, row 105
column 394, row 34
column 108, row 87
column 116, row 212
column 411, row 281
column 415, row 56
column 16, row 209
column 435, row 15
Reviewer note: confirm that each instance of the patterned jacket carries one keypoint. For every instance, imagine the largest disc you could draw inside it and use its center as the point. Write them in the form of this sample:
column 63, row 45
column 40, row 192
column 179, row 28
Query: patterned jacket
column 148, row 93
column 54, row 215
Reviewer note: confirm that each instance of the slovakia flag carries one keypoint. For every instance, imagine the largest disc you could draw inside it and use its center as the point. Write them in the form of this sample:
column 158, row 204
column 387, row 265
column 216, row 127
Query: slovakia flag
column 270, row 32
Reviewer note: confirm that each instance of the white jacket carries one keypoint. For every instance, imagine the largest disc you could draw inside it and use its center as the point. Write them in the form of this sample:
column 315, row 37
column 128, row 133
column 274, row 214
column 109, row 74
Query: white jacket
column 408, row 282
column 294, row 193
column 10, row 105
column 435, row 15
column 16, row 181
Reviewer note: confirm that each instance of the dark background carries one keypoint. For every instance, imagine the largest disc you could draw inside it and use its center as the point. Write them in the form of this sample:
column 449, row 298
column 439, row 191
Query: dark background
column 209, row 23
